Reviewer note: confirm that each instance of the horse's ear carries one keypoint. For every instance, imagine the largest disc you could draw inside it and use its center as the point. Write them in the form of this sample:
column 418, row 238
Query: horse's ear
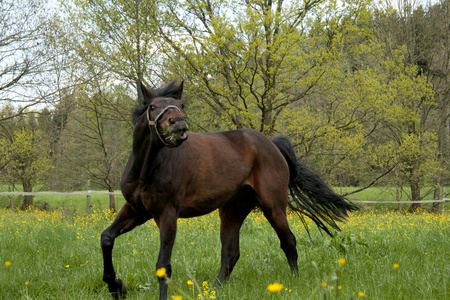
column 179, row 91
column 147, row 96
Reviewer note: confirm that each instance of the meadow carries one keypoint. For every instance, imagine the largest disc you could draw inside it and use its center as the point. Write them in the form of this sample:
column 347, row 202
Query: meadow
column 379, row 254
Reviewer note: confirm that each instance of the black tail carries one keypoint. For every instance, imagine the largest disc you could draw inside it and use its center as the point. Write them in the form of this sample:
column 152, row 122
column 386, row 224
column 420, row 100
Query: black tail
column 311, row 195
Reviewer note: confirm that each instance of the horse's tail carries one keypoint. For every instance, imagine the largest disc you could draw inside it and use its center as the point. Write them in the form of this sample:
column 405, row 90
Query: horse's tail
column 310, row 194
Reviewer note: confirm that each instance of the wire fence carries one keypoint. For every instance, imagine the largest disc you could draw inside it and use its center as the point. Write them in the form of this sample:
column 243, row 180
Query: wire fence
column 88, row 193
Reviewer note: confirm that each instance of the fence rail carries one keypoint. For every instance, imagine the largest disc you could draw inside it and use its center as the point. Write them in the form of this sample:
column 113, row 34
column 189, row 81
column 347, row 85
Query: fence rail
column 59, row 193
column 88, row 193
column 404, row 202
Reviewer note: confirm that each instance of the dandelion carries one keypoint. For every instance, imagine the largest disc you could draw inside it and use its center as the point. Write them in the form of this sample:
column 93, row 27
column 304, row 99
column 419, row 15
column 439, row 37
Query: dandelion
column 205, row 288
column 7, row 263
column 396, row 266
column 274, row 287
column 190, row 282
column 324, row 285
column 26, row 282
column 361, row 294
column 177, row 297
column 339, row 287
column 161, row 272
column 67, row 266
column 342, row 261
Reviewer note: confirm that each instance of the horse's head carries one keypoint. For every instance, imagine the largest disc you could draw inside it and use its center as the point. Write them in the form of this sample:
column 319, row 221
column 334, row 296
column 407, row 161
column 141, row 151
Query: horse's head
column 165, row 113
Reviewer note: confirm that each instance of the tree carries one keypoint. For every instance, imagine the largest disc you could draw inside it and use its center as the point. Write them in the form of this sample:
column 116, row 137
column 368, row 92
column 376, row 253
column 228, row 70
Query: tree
column 110, row 42
column 25, row 157
column 248, row 60
column 117, row 37
column 435, row 64
column 94, row 142
column 424, row 33
column 24, row 60
column 372, row 119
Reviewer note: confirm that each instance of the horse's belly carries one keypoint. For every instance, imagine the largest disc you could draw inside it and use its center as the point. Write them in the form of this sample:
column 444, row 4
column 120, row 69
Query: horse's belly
column 204, row 203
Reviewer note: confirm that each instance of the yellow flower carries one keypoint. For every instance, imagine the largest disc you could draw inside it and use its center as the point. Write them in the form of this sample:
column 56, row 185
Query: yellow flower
column 161, row 272
column 177, row 297
column 190, row 282
column 67, row 266
column 396, row 266
column 7, row 263
column 212, row 295
column 26, row 282
column 274, row 287
column 339, row 287
column 342, row 261
column 324, row 285
column 361, row 294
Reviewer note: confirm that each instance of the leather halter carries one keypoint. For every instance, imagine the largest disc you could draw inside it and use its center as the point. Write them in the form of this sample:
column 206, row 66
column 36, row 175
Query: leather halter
column 155, row 122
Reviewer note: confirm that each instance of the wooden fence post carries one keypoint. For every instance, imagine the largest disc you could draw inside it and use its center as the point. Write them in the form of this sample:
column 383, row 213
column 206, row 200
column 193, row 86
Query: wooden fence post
column 11, row 201
column 443, row 198
column 88, row 198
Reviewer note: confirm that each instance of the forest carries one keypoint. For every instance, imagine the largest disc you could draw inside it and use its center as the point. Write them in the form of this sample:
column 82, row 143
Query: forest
column 362, row 88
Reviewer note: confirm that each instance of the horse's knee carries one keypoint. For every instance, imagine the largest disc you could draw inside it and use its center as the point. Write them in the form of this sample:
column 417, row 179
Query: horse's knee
column 106, row 240
column 168, row 268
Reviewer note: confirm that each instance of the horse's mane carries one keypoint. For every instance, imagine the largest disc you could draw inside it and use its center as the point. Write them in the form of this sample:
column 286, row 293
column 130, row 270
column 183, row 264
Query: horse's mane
column 168, row 90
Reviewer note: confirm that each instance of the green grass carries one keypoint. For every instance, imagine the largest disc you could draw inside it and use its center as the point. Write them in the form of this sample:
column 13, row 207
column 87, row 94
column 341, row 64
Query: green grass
column 69, row 203
column 380, row 194
column 60, row 258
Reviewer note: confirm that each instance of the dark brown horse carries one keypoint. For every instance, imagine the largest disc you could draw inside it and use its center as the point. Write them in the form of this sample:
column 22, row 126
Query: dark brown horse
column 170, row 176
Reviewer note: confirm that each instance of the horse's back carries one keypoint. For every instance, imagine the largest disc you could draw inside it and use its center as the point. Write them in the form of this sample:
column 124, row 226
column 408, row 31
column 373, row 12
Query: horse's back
column 243, row 146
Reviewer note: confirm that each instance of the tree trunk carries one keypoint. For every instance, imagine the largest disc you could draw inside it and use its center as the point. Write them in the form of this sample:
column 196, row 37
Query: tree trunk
column 27, row 199
column 112, row 200
column 397, row 197
column 435, row 207
column 441, row 141
column 415, row 193
column 11, row 202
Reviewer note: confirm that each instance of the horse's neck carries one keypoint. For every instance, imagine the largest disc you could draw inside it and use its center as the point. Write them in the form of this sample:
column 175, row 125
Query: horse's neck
column 145, row 150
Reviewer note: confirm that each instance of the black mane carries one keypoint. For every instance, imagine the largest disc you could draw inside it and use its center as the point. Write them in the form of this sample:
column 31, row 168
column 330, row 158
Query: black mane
column 168, row 90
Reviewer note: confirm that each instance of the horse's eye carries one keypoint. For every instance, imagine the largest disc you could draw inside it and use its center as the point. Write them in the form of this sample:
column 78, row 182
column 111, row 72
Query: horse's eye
column 152, row 107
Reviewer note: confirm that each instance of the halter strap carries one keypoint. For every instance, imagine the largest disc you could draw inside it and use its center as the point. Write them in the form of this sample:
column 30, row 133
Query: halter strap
column 155, row 122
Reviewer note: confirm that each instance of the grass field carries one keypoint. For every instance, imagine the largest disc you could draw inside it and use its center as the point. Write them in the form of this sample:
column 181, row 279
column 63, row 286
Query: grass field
column 44, row 255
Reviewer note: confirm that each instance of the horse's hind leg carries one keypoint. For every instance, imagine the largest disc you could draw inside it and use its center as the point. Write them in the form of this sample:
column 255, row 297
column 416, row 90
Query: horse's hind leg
column 278, row 220
column 232, row 215
column 125, row 221
column 273, row 204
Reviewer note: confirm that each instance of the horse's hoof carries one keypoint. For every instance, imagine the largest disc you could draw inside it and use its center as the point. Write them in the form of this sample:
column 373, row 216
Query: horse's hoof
column 119, row 291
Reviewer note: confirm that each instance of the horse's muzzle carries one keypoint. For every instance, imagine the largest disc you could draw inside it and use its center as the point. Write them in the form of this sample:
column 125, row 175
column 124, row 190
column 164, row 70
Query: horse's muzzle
column 178, row 132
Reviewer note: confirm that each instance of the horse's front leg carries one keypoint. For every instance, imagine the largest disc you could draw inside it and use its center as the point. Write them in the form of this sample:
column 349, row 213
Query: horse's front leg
column 167, row 223
column 125, row 221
